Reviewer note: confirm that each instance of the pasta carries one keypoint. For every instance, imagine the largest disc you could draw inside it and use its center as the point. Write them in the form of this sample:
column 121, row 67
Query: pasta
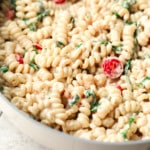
column 80, row 67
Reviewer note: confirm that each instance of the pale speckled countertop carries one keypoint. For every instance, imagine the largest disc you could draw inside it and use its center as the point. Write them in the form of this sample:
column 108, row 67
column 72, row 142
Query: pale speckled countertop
column 12, row 139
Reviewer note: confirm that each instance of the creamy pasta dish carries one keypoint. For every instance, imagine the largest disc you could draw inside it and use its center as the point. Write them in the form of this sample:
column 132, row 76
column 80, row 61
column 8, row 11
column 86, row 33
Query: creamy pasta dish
column 79, row 66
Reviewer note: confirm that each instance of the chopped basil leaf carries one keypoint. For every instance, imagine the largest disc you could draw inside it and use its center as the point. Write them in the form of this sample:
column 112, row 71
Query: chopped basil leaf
column 124, row 134
column 117, row 15
column 126, row 69
column 13, row 4
column 79, row 45
column 125, row 4
column 94, row 105
column 117, row 48
column 74, row 100
column 42, row 14
column 131, row 120
column 32, row 27
column 146, row 78
column 72, row 20
column 60, row 44
column 35, row 50
column 138, row 29
column 25, row 20
column 89, row 93
column 34, row 66
column 128, row 22
column 1, row 88
column 104, row 42
column 136, row 45
column 128, row 3
column 4, row 69
column 127, row 66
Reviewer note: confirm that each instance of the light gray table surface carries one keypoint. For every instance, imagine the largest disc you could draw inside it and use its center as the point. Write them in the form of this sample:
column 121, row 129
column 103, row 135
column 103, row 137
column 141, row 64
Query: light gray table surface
column 12, row 139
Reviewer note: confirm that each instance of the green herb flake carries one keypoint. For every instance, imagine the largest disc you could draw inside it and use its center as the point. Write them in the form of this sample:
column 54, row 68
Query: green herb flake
column 43, row 14
column 74, row 100
column 138, row 29
column 124, row 135
column 1, row 88
column 89, row 93
column 127, row 66
column 95, row 103
column 117, row 15
column 4, row 69
column 128, row 3
column 72, row 20
column 94, row 106
column 13, row 4
column 36, row 51
column 34, row 66
column 104, row 42
column 60, row 44
column 131, row 120
column 146, row 78
column 128, row 22
column 79, row 45
column 32, row 27
column 126, row 72
column 25, row 20
column 142, row 82
column 117, row 48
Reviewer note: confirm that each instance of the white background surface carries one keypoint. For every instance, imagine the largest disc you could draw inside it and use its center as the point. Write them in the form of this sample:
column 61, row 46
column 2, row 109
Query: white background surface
column 12, row 139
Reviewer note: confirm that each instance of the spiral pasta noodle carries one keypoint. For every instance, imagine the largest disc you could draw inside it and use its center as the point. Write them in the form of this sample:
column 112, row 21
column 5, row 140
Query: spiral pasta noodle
column 80, row 67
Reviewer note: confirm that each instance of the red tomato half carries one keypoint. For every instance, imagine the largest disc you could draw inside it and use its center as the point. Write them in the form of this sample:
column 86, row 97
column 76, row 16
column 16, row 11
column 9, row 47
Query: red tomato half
column 37, row 46
column 19, row 58
column 10, row 14
column 112, row 67
column 59, row 1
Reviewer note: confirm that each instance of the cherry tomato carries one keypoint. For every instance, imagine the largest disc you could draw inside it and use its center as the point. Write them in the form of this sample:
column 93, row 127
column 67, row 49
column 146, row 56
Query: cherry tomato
column 37, row 46
column 19, row 58
column 59, row 1
column 112, row 67
column 10, row 14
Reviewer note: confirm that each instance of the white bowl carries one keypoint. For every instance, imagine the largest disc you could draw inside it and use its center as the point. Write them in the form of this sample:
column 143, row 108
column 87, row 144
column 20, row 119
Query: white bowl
column 56, row 140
